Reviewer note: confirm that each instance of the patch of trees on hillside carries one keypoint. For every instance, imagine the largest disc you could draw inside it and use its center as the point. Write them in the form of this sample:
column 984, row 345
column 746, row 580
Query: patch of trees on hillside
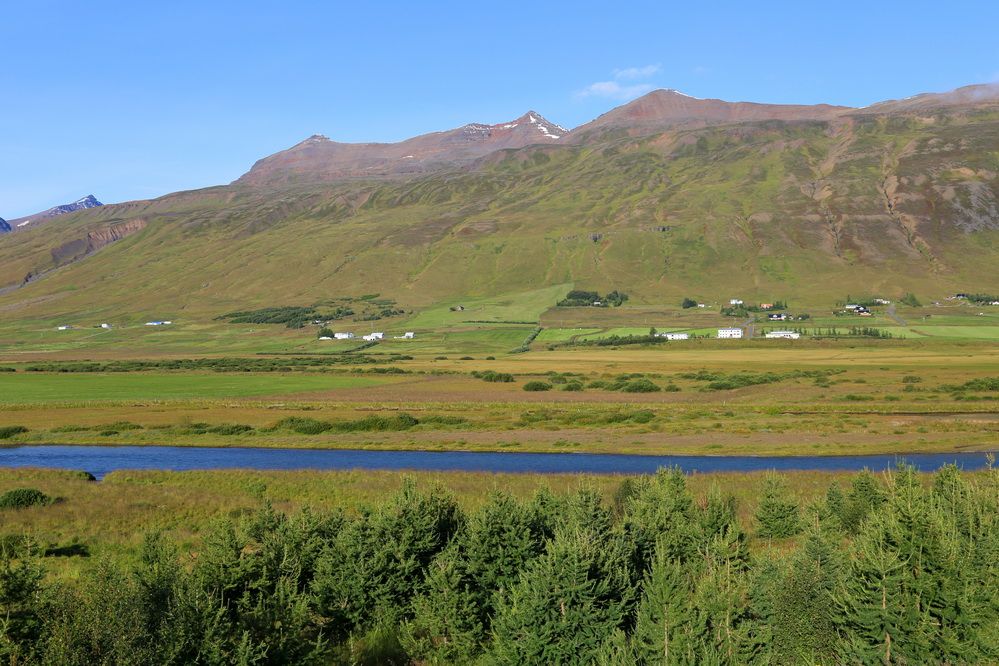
column 579, row 298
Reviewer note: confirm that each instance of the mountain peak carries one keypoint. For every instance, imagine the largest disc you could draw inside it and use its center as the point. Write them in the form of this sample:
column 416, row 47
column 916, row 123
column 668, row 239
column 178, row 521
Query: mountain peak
column 667, row 107
column 973, row 95
column 4, row 227
column 544, row 127
column 318, row 158
column 89, row 201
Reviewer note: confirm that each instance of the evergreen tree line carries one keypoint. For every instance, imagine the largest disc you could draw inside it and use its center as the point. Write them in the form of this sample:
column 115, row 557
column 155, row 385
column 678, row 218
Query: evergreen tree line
column 898, row 569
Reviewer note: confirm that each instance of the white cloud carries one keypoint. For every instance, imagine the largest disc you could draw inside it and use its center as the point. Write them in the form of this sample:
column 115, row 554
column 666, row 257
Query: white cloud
column 620, row 88
column 633, row 73
column 614, row 90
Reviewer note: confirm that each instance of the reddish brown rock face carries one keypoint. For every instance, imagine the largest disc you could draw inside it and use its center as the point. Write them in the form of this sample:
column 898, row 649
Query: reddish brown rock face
column 319, row 159
column 662, row 109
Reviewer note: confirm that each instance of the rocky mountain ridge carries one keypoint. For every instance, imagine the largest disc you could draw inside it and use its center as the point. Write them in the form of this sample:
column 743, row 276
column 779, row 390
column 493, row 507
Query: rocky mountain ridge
column 83, row 203
column 804, row 203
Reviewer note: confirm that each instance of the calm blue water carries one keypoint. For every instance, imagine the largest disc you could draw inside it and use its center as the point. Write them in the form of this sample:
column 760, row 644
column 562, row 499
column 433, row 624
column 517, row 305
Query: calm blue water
column 100, row 460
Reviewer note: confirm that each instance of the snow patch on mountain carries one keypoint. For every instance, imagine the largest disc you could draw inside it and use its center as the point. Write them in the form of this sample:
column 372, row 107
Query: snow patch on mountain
column 677, row 92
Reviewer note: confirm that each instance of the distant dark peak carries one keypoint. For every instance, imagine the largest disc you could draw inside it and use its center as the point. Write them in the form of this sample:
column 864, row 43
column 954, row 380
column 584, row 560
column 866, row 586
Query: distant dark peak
column 89, row 201
column 4, row 227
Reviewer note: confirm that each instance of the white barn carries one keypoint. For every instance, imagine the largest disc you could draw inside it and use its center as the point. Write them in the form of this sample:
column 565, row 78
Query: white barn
column 788, row 335
column 343, row 336
column 373, row 336
column 674, row 336
column 729, row 333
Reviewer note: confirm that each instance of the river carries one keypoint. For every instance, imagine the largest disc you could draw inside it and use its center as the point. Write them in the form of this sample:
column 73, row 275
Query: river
column 101, row 460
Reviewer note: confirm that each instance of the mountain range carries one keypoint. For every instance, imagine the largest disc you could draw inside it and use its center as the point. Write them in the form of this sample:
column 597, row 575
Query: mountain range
column 89, row 201
column 667, row 195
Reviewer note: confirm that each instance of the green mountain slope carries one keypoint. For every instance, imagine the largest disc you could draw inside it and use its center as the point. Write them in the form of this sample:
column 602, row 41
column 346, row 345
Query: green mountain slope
column 807, row 210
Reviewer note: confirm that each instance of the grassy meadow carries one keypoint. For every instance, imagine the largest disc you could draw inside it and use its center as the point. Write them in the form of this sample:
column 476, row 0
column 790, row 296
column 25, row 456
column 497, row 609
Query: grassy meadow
column 212, row 383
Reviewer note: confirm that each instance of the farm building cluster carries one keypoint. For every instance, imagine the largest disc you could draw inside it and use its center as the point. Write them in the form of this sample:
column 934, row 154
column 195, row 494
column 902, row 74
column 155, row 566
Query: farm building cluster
column 733, row 334
column 370, row 337
column 107, row 327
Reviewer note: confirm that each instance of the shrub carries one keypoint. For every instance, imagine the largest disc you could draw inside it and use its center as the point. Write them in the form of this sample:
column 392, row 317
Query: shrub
column 573, row 386
column 70, row 428
column 642, row 416
column 374, row 423
column 493, row 376
column 777, row 515
column 688, row 303
column 6, row 432
column 443, row 419
column 641, row 386
column 230, row 429
column 304, row 426
column 910, row 300
column 119, row 425
column 537, row 386
column 20, row 498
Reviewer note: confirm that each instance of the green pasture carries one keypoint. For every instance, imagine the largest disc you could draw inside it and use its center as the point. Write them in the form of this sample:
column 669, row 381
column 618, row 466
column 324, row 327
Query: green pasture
column 564, row 334
column 492, row 340
column 524, row 306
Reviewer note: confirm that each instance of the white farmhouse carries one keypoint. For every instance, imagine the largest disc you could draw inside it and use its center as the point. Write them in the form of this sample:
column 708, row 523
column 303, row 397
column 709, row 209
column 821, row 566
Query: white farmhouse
column 343, row 336
column 373, row 336
column 729, row 333
column 788, row 335
column 408, row 335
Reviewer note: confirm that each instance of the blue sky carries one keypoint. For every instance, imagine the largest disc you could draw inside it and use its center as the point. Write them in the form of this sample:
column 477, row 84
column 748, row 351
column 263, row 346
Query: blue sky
column 130, row 100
